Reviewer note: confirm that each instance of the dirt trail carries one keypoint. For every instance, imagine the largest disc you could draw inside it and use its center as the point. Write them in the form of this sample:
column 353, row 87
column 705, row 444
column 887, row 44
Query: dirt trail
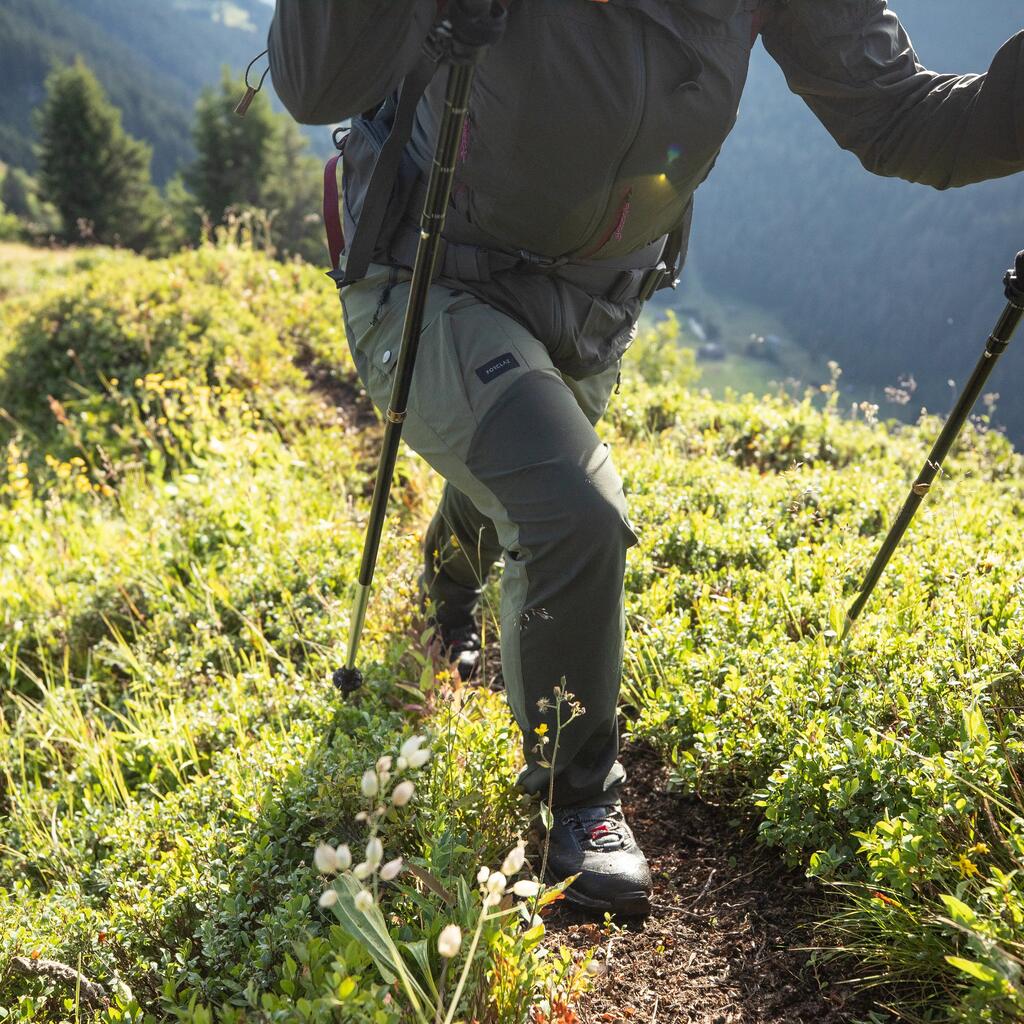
column 721, row 944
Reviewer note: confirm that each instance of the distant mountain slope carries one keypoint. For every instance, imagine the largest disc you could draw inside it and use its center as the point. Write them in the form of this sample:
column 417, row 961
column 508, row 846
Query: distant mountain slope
column 152, row 56
column 890, row 279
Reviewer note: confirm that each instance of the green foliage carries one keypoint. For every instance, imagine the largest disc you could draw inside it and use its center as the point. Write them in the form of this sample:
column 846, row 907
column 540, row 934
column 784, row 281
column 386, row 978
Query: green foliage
column 10, row 226
column 890, row 765
column 256, row 162
column 179, row 550
column 19, row 195
column 181, row 527
column 152, row 56
column 217, row 319
column 95, row 174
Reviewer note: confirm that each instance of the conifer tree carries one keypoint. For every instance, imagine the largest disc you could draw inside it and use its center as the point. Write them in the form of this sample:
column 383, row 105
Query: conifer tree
column 257, row 162
column 94, row 173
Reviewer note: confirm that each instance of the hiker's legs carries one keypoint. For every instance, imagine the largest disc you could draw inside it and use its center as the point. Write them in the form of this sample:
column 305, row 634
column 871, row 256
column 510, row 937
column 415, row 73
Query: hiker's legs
column 461, row 544
column 492, row 415
column 460, row 547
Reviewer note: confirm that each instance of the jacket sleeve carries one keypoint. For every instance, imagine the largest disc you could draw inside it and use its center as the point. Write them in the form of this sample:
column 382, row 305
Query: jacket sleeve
column 330, row 59
column 853, row 64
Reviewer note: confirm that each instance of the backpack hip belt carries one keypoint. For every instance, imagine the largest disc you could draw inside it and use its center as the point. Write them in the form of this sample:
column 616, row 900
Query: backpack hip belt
column 637, row 276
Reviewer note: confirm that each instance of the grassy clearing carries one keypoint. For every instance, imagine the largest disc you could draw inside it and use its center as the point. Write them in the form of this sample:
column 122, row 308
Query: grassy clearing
column 23, row 266
column 730, row 325
column 180, row 515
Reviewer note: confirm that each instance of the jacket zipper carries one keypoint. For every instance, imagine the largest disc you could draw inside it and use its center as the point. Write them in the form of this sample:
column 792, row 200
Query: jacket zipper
column 623, row 212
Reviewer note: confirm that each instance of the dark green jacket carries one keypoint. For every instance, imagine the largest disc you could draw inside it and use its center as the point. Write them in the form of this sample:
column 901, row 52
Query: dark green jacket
column 593, row 123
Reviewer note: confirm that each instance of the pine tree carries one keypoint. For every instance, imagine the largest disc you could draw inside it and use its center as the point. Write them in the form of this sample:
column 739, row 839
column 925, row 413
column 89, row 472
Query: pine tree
column 95, row 174
column 16, row 193
column 234, row 153
column 259, row 162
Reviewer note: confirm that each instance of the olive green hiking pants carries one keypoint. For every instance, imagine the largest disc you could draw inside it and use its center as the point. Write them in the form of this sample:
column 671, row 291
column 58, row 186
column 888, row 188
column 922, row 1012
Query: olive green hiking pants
column 527, row 479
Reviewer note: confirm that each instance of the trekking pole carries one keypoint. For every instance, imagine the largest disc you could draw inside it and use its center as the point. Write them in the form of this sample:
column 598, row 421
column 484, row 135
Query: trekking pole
column 461, row 56
column 994, row 348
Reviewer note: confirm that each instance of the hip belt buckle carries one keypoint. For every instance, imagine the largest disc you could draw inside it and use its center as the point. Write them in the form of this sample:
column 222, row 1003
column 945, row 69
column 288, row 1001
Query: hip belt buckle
column 638, row 284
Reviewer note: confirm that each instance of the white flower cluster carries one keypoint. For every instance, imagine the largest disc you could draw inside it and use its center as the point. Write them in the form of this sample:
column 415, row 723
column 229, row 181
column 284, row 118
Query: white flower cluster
column 376, row 785
column 494, row 887
column 494, row 884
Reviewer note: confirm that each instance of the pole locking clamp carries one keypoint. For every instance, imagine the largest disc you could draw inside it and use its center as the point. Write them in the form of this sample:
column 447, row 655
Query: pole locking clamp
column 1014, row 282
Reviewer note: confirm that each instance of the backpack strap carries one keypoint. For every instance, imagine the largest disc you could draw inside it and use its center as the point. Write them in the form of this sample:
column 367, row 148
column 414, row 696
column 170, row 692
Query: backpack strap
column 385, row 171
column 332, row 208
column 666, row 273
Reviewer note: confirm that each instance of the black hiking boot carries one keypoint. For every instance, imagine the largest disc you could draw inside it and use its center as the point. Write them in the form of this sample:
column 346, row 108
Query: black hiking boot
column 598, row 845
column 456, row 639
column 459, row 646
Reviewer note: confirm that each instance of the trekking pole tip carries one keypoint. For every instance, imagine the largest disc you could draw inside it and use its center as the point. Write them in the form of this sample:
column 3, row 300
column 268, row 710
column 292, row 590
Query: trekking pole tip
column 347, row 680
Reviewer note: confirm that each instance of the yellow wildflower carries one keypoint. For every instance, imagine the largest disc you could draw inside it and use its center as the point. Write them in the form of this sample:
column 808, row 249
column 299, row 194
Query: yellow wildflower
column 968, row 869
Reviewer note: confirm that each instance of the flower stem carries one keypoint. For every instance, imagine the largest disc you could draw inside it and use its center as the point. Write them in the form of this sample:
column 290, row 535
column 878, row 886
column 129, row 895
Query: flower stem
column 453, row 1009
column 551, row 801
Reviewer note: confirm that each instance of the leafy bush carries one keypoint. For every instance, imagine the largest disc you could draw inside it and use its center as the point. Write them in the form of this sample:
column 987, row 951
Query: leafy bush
column 891, row 764
column 180, row 511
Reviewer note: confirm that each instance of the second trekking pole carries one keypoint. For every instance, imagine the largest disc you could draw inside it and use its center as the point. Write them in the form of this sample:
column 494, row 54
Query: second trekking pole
column 994, row 348
column 462, row 60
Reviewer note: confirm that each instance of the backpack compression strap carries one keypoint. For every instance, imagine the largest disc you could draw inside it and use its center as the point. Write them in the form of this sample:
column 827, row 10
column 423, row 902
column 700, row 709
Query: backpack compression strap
column 332, row 208
column 382, row 179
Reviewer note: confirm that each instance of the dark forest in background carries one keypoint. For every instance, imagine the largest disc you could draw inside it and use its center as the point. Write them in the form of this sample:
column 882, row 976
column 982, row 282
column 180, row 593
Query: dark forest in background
column 153, row 58
column 891, row 280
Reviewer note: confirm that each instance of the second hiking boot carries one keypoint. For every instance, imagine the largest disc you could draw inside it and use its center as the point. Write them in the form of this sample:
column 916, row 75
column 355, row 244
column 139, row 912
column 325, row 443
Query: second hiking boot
column 597, row 844
column 460, row 647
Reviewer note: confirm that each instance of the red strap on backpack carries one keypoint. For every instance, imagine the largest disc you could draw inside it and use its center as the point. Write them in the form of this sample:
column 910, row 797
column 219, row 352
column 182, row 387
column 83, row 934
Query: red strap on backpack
column 332, row 210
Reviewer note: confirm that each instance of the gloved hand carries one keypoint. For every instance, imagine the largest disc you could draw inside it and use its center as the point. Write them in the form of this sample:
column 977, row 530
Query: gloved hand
column 477, row 23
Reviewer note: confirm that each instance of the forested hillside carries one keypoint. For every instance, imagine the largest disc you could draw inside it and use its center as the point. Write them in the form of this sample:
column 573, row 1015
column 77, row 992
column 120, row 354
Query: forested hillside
column 890, row 279
column 152, row 56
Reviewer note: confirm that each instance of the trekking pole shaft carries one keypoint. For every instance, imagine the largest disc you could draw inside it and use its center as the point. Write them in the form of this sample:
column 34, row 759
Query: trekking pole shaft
column 995, row 347
column 439, row 188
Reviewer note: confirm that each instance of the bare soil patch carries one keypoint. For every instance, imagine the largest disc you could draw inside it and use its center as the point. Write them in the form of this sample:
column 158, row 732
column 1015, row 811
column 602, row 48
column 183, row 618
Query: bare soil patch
column 723, row 944
column 341, row 390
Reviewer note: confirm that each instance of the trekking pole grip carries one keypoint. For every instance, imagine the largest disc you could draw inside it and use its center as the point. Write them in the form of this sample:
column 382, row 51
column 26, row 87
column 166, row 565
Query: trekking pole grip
column 468, row 28
column 1014, row 282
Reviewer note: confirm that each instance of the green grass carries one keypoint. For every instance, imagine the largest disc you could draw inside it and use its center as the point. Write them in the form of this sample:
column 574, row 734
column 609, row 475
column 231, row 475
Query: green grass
column 181, row 516
column 890, row 766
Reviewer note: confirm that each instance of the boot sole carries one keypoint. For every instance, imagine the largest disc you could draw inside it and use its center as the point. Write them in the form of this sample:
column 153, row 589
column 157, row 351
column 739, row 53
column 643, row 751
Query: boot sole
column 627, row 904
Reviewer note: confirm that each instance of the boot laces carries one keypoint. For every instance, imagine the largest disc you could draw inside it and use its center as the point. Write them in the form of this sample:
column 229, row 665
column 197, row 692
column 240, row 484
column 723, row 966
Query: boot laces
column 599, row 828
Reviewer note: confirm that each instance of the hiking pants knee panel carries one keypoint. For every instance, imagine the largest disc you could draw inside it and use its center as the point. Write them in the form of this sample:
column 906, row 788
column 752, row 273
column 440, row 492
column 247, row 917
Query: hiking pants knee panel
column 562, row 618
column 492, row 415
